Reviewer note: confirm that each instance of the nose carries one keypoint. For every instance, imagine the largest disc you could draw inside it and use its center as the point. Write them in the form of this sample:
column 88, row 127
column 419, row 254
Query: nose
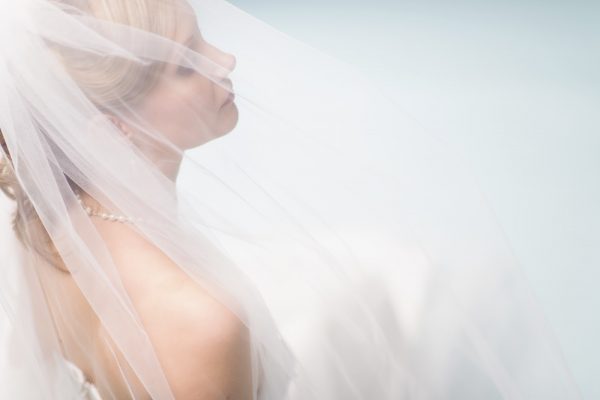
column 228, row 64
column 225, row 62
column 231, row 62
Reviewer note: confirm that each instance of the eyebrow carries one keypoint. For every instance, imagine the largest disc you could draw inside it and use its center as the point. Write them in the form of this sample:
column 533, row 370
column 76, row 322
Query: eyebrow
column 189, row 41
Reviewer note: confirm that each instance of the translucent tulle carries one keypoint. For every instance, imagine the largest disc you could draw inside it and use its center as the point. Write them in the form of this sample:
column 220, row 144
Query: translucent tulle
column 354, row 251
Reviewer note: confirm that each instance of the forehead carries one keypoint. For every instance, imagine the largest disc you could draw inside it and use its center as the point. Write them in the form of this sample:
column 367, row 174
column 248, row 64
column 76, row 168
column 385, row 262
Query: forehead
column 185, row 21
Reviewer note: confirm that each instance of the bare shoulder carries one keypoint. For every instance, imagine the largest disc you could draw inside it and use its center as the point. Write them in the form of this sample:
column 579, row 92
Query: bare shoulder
column 202, row 346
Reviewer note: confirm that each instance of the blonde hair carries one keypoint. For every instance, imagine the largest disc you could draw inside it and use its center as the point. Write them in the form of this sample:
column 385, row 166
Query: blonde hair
column 109, row 82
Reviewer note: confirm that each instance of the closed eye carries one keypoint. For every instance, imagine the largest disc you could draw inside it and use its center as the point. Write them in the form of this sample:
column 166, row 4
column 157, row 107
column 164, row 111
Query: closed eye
column 184, row 71
column 191, row 43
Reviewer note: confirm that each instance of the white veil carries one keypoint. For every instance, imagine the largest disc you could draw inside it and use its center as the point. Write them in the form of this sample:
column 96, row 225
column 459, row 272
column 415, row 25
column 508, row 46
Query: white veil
column 355, row 253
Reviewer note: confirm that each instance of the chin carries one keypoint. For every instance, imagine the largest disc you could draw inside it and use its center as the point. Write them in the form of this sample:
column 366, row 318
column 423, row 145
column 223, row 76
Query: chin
column 229, row 119
column 226, row 125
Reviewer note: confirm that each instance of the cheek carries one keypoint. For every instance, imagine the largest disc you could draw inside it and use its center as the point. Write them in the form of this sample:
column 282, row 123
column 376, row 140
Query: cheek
column 185, row 116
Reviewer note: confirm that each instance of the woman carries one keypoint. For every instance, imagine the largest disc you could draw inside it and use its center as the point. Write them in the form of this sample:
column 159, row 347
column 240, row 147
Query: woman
column 328, row 249
column 224, row 357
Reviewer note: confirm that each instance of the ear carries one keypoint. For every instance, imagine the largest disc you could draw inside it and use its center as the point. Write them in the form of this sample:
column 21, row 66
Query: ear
column 123, row 127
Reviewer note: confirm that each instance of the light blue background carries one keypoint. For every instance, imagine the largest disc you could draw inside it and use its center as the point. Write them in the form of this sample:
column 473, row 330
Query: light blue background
column 516, row 87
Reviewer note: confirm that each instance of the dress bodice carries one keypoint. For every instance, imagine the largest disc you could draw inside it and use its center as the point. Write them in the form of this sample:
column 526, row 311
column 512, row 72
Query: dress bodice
column 88, row 390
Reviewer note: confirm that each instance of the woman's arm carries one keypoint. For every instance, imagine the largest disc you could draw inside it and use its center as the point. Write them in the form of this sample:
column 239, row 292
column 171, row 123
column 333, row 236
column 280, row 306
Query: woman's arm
column 201, row 345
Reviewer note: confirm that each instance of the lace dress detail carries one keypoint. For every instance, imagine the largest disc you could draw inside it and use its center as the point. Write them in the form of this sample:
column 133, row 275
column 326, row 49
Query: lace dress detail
column 88, row 390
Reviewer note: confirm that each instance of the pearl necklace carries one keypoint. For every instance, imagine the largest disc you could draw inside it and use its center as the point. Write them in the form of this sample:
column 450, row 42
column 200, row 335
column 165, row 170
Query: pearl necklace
column 104, row 215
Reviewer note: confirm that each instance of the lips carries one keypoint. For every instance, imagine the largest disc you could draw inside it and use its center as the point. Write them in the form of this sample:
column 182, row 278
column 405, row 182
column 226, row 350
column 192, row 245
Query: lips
column 227, row 85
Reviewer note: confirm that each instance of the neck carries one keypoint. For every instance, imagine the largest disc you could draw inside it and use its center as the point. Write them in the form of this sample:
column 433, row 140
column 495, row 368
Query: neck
column 166, row 160
column 169, row 166
column 167, row 163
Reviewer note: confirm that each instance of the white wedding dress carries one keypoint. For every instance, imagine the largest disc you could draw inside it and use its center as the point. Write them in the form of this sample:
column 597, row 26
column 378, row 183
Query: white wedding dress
column 88, row 390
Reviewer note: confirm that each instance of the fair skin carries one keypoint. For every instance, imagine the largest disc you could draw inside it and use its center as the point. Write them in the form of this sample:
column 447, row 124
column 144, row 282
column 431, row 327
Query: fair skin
column 189, row 108
column 201, row 345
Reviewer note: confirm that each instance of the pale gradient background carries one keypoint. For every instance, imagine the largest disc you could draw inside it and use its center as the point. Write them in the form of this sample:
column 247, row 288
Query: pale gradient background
column 515, row 86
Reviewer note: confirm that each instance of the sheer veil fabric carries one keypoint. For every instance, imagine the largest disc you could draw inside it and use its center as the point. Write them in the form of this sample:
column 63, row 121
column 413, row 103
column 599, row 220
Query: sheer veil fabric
column 184, row 153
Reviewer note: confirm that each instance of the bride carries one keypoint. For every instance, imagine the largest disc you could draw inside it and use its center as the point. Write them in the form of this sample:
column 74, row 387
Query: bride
column 211, row 342
column 298, row 239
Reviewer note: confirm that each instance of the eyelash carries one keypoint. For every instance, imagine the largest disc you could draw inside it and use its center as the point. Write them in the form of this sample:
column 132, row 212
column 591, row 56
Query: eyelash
column 184, row 71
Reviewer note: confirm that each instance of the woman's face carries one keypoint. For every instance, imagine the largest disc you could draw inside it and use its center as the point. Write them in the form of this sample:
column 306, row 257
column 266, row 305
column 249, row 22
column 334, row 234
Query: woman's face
column 186, row 106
